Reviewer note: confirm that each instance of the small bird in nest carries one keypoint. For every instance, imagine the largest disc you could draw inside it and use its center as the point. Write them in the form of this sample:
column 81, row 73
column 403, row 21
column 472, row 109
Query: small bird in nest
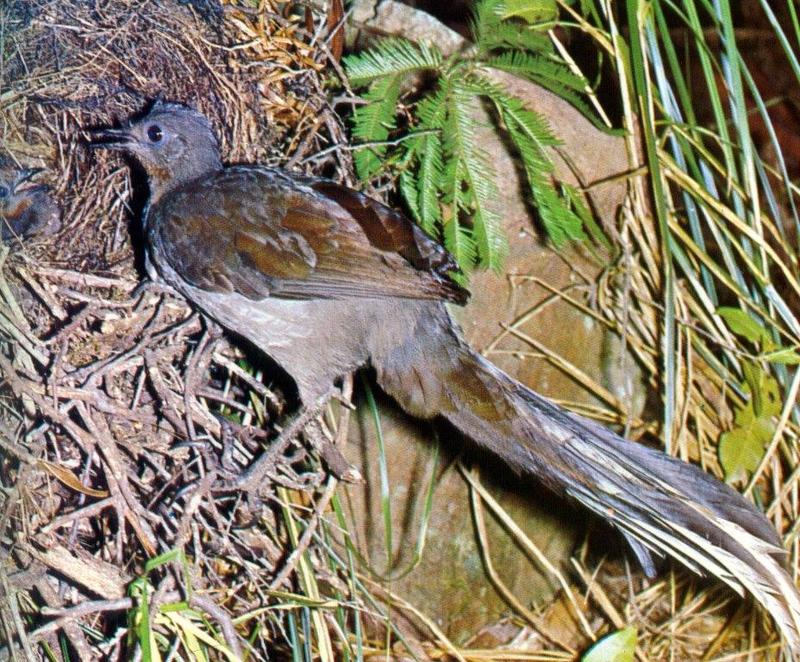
column 326, row 280
column 26, row 208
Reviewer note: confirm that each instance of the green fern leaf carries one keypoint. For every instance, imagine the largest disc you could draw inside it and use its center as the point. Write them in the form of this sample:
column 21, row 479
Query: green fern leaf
column 432, row 109
column 560, row 222
column 391, row 57
column 431, row 112
column 537, row 68
column 532, row 137
column 504, row 35
column 491, row 32
column 552, row 76
column 459, row 242
column 373, row 122
column 457, row 238
column 477, row 173
column 408, row 181
column 574, row 199
column 530, row 11
column 431, row 167
column 487, row 12
column 513, row 111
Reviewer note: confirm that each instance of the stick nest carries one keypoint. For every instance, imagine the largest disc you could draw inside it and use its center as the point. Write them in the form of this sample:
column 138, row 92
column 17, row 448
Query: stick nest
column 121, row 407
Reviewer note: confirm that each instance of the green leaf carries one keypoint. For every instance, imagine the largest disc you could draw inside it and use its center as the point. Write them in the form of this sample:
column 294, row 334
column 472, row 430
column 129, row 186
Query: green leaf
column 430, row 175
column 486, row 13
column 533, row 126
column 783, row 355
column 572, row 197
column 763, row 388
column 170, row 556
column 407, row 181
column 619, row 646
column 470, row 165
column 514, row 112
column 742, row 324
column 139, row 619
column 530, row 11
column 501, row 35
column 560, row 222
column 537, row 68
column 492, row 31
column 741, row 449
column 391, row 57
column 531, row 136
column 459, row 242
column 373, row 122
column 432, row 111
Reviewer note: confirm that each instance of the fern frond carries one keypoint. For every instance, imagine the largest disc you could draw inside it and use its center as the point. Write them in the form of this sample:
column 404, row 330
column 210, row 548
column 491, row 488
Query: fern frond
column 431, row 111
column 560, row 222
column 532, row 137
column 537, row 68
column 459, row 241
column 491, row 30
column 531, row 11
column 487, row 12
column 408, row 181
column 373, row 122
column 555, row 83
column 505, row 34
column 457, row 238
column 512, row 110
column 391, row 57
column 475, row 170
column 575, row 200
column 431, row 168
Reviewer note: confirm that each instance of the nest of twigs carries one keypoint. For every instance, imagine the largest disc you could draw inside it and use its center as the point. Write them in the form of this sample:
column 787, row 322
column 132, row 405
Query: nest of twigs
column 130, row 391
column 123, row 410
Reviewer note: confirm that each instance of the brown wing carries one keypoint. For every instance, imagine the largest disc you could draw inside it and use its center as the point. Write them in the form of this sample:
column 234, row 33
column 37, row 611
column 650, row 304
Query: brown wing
column 261, row 232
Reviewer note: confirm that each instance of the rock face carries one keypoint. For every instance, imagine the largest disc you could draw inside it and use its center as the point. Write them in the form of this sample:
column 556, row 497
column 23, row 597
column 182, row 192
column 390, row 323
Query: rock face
column 451, row 582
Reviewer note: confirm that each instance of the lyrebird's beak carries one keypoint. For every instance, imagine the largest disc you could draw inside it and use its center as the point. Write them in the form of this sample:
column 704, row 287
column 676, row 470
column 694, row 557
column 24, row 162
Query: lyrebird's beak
column 111, row 139
column 28, row 173
column 23, row 177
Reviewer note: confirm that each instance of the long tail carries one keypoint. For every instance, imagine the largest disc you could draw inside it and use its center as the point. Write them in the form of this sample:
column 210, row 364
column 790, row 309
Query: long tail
column 661, row 505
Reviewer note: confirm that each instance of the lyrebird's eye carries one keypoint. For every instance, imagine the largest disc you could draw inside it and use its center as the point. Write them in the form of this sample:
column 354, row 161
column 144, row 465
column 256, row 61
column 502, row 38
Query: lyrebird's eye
column 4, row 191
column 154, row 133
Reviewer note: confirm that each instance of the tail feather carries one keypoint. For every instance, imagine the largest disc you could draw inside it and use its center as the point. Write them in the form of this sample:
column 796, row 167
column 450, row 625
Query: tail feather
column 661, row 505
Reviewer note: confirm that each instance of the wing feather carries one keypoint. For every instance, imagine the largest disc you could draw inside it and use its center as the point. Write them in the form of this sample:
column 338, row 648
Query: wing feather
column 266, row 233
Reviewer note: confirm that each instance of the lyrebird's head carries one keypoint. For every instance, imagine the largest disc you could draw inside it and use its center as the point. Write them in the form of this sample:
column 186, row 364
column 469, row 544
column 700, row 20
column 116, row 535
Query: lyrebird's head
column 174, row 143
column 25, row 207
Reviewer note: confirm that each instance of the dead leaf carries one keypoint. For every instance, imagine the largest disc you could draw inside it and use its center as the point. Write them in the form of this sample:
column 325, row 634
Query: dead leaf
column 69, row 479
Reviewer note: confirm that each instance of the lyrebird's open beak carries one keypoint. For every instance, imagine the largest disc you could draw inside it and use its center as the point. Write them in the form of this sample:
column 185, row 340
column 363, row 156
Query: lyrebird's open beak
column 23, row 178
column 111, row 139
column 28, row 173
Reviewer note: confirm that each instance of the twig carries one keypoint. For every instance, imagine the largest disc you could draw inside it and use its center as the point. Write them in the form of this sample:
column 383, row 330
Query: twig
column 223, row 620
column 305, row 539
column 256, row 472
column 368, row 145
column 68, row 614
